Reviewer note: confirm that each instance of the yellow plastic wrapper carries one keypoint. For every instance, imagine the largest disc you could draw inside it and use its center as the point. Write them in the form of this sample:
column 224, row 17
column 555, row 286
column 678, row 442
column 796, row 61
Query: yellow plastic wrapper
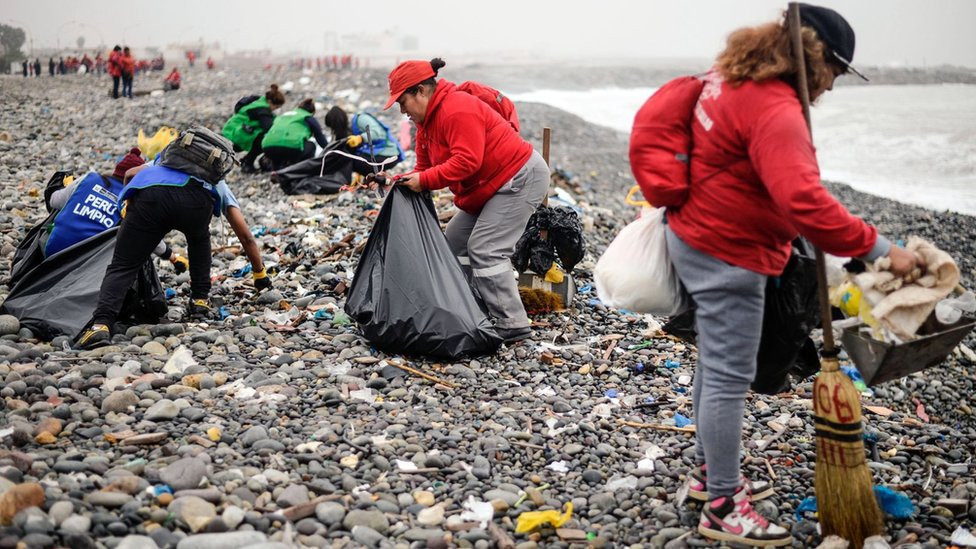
column 554, row 274
column 531, row 520
column 151, row 146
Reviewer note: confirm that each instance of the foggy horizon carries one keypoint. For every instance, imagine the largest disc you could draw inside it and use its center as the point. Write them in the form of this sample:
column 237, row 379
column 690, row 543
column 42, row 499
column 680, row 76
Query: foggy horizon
column 894, row 33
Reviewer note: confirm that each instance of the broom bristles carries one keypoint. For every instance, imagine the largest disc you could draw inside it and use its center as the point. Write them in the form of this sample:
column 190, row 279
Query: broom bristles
column 846, row 503
column 537, row 300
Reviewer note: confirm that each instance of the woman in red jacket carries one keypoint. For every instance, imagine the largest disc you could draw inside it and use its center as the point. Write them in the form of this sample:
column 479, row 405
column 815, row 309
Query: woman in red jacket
column 115, row 69
column 755, row 185
column 497, row 178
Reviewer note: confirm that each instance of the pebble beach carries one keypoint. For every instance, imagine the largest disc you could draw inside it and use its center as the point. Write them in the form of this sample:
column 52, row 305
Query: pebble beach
column 280, row 426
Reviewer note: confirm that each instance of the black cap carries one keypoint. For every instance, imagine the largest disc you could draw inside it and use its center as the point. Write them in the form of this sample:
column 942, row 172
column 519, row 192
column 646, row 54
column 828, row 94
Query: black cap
column 835, row 32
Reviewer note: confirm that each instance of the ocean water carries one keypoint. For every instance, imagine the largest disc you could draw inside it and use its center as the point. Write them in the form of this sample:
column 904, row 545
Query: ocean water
column 915, row 144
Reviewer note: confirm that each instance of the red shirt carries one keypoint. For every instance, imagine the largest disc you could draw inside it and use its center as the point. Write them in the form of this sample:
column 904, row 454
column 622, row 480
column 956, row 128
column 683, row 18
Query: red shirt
column 756, row 183
column 128, row 64
column 115, row 63
column 465, row 145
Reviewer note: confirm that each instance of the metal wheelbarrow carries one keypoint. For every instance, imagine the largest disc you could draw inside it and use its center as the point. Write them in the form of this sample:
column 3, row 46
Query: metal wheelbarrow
column 879, row 361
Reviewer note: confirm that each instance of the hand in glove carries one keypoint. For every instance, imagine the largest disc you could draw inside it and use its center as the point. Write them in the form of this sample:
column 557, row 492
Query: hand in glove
column 354, row 141
column 180, row 263
column 262, row 280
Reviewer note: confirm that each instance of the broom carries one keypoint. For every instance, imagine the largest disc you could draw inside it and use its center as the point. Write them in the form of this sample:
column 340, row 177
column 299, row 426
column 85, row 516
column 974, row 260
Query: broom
column 845, row 499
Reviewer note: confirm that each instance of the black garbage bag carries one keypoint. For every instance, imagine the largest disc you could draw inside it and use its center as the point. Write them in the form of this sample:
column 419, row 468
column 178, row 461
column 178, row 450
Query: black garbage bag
column 409, row 294
column 322, row 175
column 791, row 312
column 58, row 296
column 551, row 233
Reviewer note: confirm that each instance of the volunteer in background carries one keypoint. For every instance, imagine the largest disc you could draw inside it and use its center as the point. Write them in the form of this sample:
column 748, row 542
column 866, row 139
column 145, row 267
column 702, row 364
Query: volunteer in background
column 115, row 69
column 128, row 71
column 384, row 144
column 161, row 199
column 736, row 228
column 253, row 116
column 287, row 142
column 498, row 180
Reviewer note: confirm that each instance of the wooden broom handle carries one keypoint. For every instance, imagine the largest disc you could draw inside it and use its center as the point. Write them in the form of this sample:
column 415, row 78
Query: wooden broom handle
column 546, row 138
column 793, row 24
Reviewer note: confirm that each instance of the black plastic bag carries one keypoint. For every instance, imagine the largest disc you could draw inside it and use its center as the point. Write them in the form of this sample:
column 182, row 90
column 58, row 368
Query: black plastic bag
column 409, row 294
column 58, row 296
column 322, row 175
column 551, row 233
column 790, row 313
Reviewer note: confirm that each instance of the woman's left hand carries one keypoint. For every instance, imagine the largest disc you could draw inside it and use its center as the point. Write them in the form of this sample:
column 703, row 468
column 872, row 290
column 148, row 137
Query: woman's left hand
column 411, row 182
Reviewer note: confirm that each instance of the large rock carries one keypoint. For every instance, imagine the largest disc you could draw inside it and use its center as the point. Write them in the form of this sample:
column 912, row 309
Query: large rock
column 119, row 401
column 372, row 519
column 184, row 474
column 9, row 325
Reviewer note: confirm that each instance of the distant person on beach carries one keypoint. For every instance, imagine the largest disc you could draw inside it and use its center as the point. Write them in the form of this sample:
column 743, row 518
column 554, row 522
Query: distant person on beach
column 755, row 186
column 498, row 181
column 287, row 141
column 160, row 199
column 50, row 66
column 115, row 69
column 37, row 66
column 253, row 117
column 128, row 71
column 24, row 67
column 172, row 81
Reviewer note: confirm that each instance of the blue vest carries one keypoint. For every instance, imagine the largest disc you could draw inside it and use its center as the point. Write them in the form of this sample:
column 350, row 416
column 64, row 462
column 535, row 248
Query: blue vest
column 378, row 143
column 161, row 176
column 92, row 208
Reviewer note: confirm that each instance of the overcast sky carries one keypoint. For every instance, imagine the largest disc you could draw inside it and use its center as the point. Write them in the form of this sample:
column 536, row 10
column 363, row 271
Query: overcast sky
column 904, row 32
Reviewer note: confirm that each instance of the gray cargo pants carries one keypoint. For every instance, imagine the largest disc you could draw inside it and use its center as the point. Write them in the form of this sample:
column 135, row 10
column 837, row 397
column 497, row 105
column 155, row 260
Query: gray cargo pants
column 484, row 243
column 729, row 318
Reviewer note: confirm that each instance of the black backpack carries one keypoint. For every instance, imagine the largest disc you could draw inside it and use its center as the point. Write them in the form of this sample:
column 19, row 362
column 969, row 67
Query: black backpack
column 201, row 153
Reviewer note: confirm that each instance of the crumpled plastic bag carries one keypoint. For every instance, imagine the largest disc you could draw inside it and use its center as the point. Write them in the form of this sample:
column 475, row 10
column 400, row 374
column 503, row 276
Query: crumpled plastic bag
column 531, row 520
column 563, row 239
column 151, row 146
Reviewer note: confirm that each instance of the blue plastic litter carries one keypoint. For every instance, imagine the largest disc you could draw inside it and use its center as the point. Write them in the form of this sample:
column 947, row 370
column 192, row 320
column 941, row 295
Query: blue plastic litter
column 639, row 367
column 649, row 400
column 671, row 364
column 260, row 230
column 681, row 421
column 611, row 393
column 245, row 270
column 594, row 302
column 222, row 313
column 584, row 289
column 681, row 390
column 161, row 489
column 169, row 293
column 895, row 504
column 855, row 377
column 322, row 314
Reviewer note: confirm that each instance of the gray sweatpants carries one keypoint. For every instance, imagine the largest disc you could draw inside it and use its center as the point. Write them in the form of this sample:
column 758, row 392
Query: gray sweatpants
column 728, row 319
column 484, row 243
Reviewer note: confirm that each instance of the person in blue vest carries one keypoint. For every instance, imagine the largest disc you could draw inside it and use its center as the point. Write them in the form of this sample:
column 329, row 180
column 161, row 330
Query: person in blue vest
column 377, row 143
column 89, row 206
column 155, row 200
column 287, row 142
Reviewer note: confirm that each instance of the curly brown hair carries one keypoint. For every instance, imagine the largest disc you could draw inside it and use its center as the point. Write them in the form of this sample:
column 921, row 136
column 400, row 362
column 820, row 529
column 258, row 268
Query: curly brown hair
column 764, row 52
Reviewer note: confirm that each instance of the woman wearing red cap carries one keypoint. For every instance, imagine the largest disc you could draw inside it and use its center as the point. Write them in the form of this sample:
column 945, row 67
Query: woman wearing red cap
column 497, row 178
column 755, row 186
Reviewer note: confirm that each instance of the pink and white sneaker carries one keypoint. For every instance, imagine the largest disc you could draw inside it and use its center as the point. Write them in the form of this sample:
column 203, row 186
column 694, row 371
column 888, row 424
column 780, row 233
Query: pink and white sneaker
column 733, row 519
column 698, row 486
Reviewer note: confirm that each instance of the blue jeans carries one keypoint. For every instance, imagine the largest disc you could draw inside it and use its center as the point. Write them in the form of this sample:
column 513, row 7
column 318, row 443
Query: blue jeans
column 127, row 85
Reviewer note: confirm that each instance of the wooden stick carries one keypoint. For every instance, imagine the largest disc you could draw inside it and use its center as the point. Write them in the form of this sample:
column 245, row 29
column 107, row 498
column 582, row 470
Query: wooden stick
column 546, row 138
column 526, row 444
column 307, row 509
column 613, row 344
column 428, row 377
column 657, row 426
column 502, row 540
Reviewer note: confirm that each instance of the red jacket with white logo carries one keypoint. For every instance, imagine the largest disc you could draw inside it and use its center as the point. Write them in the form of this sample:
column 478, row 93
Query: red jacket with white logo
column 465, row 145
column 755, row 183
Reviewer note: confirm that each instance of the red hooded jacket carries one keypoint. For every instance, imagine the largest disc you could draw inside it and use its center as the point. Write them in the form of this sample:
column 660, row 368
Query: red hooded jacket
column 755, row 183
column 115, row 63
column 465, row 145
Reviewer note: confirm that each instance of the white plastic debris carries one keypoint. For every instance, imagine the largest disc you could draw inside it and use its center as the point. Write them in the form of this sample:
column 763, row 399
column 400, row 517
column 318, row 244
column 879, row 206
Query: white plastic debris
column 282, row 318
column 558, row 466
column 365, row 395
column 622, row 483
column 875, row 542
column 834, row 542
column 962, row 536
column 545, row 391
column 646, row 465
column 478, row 511
column 181, row 360
column 406, row 466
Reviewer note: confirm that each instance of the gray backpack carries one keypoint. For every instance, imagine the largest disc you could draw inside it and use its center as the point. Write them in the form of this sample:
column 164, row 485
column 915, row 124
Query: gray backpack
column 201, row 153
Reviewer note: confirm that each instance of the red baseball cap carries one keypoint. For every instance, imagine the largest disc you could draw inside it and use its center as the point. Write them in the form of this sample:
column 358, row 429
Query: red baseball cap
column 405, row 75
